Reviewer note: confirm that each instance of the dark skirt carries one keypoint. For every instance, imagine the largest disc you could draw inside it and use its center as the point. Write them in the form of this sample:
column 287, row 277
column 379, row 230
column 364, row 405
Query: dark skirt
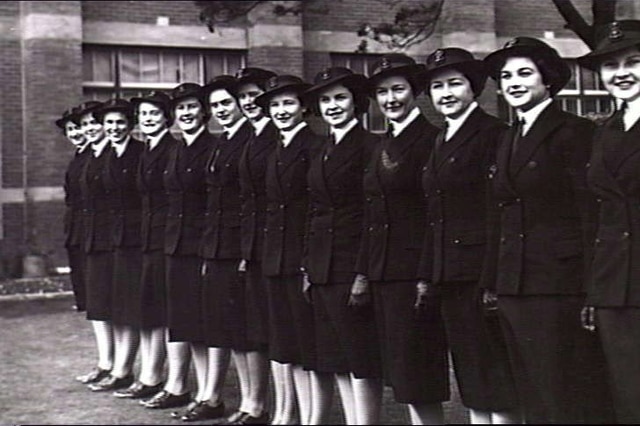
column 257, row 306
column 291, row 328
column 77, row 263
column 184, row 298
column 153, row 308
column 98, row 279
column 126, row 295
column 412, row 344
column 346, row 337
column 478, row 350
column 223, row 306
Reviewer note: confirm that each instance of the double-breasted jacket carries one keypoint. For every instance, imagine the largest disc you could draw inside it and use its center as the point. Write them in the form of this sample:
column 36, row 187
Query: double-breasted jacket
column 97, row 215
column 73, row 224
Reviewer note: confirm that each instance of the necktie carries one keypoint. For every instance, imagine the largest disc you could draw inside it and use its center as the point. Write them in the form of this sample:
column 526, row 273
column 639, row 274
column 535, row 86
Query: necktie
column 442, row 136
column 518, row 128
column 330, row 146
column 619, row 121
column 390, row 128
column 224, row 136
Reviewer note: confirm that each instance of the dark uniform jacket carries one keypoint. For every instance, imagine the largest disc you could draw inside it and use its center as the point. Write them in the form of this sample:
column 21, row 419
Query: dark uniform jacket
column 73, row 215
column 287, row 204
column 187, row 194
column 120, row 176
column 336, row 202
column 541, row 240
column 253, row 192
column 395, row 207
column 455, row 182
column 97, row 214
column 614, row 177
column 221, row 238
column 155, row 204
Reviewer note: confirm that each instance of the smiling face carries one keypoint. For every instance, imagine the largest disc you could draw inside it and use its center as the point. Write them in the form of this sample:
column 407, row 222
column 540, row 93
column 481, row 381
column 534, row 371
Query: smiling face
column 189, row 115
column 92, row 128
column 286, row 110
column 395, row 97
column 247, row 94
column 620, row 74
column 224, row 107
column 74, row 133
column 337, row 105
column 522, row 83
column 116, row 126
column 151, row 119
column 451, row 93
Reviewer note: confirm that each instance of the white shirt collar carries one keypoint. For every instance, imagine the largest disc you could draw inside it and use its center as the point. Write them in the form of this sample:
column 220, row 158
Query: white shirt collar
column 154, row 141
column 260, row 124
column 231, row 131
column 340, row 132
column 399, row 126
column 454, row 124
column 191, row 138
column 98, row 148
column 288, row 135
column 82, row 148
column 631, row 114
column 532, row 115
column 121, row 147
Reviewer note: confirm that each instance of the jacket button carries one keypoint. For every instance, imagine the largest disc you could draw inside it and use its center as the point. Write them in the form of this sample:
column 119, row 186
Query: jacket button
column 438, row 191
column 503, row 240
column 599, row 200
column 452, row 160
column 281, row 206
column 330, row 231
column 179, row 214
column 625, row 234
column 517, row 200
column 281, row 228
column 253, row 213
column 386, row 226
column 456, row 241
column 598, row 240
column 521, row 236
column 189, row 169
column 587, row 165
column 432, row 224
column 500, row 204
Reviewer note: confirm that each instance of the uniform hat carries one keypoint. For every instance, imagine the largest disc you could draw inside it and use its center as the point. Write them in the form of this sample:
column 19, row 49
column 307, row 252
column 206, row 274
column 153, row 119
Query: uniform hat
column 223, row 81
column 88, row 107
column 337, row 75
column 186, row 90
column 117, row 105
column 395, row 64
column 279, row 84
column 610, row 38
column 159, row 99
column 257, row 76
column 69, row 115
column 458, row 59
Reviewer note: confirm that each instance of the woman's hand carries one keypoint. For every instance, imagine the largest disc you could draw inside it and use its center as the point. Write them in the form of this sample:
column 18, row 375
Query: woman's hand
column 588, row 318
column 360, row 293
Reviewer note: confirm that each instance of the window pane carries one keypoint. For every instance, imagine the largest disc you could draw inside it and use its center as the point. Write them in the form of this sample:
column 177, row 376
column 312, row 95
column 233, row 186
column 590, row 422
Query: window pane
column 214, row 66
column 572, row 84
column 190, row 69
column 234, row 63
column 97, row 65
column 129, row 67
column 150, row 67
column 170, row 68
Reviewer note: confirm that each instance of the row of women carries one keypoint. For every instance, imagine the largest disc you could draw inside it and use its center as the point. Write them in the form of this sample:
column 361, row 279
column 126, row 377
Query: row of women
column 367, row 259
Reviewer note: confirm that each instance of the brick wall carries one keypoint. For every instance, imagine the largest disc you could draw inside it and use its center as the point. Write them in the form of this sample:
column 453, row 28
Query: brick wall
column 144, row 12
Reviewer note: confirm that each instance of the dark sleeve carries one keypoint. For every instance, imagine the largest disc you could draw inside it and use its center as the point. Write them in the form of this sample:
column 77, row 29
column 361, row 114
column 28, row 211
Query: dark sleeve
column 362, row 262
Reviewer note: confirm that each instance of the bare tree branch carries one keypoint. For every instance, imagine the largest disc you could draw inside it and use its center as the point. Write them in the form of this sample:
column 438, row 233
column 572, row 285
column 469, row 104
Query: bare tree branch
column 575, row 22
column 604, row 11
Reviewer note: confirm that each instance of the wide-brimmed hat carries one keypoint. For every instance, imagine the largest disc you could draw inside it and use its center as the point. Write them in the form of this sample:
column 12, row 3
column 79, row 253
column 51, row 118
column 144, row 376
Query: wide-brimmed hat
column 159, row 99
column 88, row 107
column 396, row 64
column 222, row 81
column 557, row 73
column 461, row 60
column 258, row 76
column 337, row 75
column 279, row 84
column 70, row 114
column 610, row 38
column 186, row 90
column 115, row 105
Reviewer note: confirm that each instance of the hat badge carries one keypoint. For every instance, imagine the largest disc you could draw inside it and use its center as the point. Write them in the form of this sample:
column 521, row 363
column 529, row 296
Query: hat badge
column 511, row 43
column 614, row 31
column 326, row 75
column 240, row 73
column 273, row 82
column 438, row 56
column 385, row 64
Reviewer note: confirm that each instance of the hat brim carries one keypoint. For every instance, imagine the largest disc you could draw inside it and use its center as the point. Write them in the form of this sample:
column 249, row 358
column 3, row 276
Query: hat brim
column 60, row 122
column 475, row 66
column 592, row 59
column 263, row 100
column 411, row 71
column 355, row 82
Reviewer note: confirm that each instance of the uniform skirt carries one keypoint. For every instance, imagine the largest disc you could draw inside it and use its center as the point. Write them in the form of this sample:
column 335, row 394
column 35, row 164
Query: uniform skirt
column 412, row 344
column 77, row 263
column 98, row 279
column 184, row 298
column 291, row 328
column 223, row 305
column 346, row 337
column 126, row 294
column 478, row 350
column 257, row 306
column 153, row 300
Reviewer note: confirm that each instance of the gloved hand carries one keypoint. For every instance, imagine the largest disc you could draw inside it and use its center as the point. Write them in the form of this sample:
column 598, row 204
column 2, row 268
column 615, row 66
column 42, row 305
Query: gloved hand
column 588, row 318
column 306, row 287
column 360, row 292
column 489, row 302
column 427, row 296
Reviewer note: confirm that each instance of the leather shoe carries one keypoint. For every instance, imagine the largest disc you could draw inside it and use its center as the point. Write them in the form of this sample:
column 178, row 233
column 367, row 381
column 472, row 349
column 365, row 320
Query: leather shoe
column 93, row 376
column 111, row 383
column 203, row 411
column 248, row 419
column 177, row 414
column 138, row 390
column 164, row 399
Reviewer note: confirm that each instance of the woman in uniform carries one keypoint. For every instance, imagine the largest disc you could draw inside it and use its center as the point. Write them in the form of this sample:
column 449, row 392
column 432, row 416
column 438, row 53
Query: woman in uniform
column 346, row 340
column 455, row 178
column 290, row 316
column 69, row 123
column 119, row 178
column 412, row 344
column 614, row 177
column 541, row 237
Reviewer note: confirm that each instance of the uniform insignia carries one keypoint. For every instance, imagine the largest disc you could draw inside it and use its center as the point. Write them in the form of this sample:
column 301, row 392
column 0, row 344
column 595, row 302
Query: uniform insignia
column 614, row 31
column 273, row 82
column 511, row 43
column 385, row 64
column 493, row 169
column 240, row 73
column 386, row 161
column 326, row 75
column 438, row 56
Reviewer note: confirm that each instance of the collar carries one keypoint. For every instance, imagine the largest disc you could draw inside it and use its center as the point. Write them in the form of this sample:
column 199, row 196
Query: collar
column 154, row 141
column 532, row 115
column 454, row 124
column 98, row 148
column 82, row 148
column 260, row 124
column 288, row 135
column 631, row 114
column 339, row 132
column 399, row 126
column 189, row 139
column 231, row 131
column 121, row 147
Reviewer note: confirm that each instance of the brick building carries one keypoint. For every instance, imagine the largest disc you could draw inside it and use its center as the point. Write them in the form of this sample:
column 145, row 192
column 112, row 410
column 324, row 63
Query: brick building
column 57, row 53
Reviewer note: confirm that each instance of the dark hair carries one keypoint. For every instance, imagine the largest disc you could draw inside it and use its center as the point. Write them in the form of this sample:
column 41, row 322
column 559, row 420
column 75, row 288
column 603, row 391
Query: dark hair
column 206, row 111
column 550, row 74
column 413, row 80
column 167, row 112
column 360, row 99
column 303, row 102
column 129, row 115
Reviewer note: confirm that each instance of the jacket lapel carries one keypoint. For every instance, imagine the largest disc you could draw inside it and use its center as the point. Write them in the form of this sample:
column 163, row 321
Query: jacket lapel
column 289, row 155
column 464, row 134
column 344, row 151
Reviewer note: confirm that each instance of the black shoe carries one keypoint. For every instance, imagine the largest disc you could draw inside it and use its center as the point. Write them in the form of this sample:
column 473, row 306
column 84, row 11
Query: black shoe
column 164, row 399
column 111, row 382
column 93, row 376
column 179, row 413
column 203, row 411
column 138, row 390
column 248, row 419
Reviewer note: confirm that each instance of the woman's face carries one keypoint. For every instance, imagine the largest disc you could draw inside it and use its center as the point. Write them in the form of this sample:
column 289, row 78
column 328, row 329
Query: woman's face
column 286, row 110
column 116, row 126
column 337, row 106
column 74, row 133
column 620, row 74
column 189, row 115
column 395, row 97
column 92, row 128
column 451, row 93
column 522, row 84
column 247, row 94
column 151, row 119
column 224, row 107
